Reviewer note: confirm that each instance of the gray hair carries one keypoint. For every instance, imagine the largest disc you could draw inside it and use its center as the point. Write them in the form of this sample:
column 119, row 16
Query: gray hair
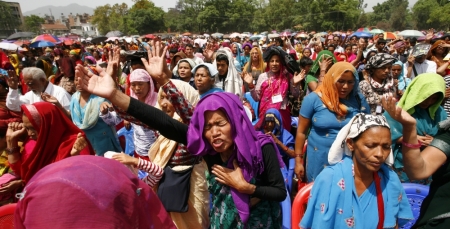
column 36, row 73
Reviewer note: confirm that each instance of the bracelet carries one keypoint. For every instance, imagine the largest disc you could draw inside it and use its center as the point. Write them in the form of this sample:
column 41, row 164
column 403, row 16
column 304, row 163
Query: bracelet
column 299, row 155
column 412, row 146
column 12, row 150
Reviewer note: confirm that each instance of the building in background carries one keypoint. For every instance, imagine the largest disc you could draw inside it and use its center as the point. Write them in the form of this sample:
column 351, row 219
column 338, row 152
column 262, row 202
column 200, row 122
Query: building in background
column 10, row 25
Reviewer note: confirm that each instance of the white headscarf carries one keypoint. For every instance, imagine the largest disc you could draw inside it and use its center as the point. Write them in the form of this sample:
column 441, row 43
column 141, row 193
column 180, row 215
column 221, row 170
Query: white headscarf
column 233, row 82
column 357, row 125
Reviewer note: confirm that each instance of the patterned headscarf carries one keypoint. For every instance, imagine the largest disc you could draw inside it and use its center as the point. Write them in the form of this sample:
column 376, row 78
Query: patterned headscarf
column 357, row 125
column 379, row 60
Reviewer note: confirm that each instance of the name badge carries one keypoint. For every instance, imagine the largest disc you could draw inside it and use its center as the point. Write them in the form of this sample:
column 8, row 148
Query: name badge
column 277, row 99
column 379, row 109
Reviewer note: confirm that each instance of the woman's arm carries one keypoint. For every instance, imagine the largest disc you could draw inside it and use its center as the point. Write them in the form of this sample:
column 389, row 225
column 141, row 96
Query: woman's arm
column 302, row 130
column 418, row 165
column 441, row 70
column 272, row 187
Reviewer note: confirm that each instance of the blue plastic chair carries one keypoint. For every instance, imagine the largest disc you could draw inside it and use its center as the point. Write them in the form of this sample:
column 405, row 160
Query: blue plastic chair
column 415, row 193
column 286, row 204
column 254, row 105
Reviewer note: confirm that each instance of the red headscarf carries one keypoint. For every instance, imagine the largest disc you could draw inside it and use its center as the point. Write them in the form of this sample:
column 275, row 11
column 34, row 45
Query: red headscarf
column 56, row 137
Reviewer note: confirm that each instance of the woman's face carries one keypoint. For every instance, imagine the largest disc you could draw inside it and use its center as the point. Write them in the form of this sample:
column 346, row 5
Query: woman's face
column 217, row 131
column 429, row 101
column 354, row 49
column 275, row 63
column 141, row 89
column 345, row 84
column 396, row 71
column 247, row 50
column 307, row 53
column 439, row 51
column 269, row 126
column 184, row 70
column 382, row 73
column 234, row 48
column 203, row 81
column 96, row 55
column 371, row 149
column 32, row 133
column 348, row 50
column 166, row 105
column 255, row 55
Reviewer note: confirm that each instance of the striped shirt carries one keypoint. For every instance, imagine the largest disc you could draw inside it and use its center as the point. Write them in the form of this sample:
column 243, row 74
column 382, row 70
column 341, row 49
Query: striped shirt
column 155, row 172
column 447, row 101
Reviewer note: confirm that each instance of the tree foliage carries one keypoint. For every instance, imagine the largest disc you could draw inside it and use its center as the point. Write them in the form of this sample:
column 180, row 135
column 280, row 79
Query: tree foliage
column 33, row 23
column 8, row 21
column 265, row 15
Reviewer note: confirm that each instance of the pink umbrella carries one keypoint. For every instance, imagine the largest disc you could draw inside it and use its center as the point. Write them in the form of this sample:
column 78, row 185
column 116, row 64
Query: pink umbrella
column 285, row 34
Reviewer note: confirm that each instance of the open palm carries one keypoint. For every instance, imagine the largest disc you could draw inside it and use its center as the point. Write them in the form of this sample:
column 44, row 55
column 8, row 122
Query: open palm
column 102, row 85
column 156, row 64
column 397, row 113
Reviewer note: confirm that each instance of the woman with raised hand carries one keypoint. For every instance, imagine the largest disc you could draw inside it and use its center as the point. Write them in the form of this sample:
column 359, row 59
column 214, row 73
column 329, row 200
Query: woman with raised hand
column 421, row 164
column 244, row 171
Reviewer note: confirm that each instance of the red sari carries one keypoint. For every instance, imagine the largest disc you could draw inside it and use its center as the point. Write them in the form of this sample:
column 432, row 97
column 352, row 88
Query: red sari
column 56, row 137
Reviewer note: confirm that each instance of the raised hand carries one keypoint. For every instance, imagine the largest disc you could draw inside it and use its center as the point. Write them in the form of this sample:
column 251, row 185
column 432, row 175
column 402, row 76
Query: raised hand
column 156, row 64
column 430, row 34
column 325, row 63
column 13, row 80
column 247, row 77
column 15, row 131
column 397, row 113
column 102, row 85
column 298, row 77
column 208, row 52
column 113, row 61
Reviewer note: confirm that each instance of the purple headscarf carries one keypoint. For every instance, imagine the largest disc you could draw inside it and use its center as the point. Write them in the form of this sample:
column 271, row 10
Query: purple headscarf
column 248, row 142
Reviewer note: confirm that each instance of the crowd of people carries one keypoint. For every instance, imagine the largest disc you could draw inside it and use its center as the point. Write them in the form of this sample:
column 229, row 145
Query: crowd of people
column 206, row 126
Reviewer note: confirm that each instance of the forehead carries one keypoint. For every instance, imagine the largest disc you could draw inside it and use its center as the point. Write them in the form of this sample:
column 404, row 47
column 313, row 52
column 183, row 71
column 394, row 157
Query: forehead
column 201, row 71
column 348, row 75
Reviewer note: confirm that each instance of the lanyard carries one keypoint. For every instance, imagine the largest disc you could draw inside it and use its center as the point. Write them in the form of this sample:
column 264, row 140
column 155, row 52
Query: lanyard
column 380, row 202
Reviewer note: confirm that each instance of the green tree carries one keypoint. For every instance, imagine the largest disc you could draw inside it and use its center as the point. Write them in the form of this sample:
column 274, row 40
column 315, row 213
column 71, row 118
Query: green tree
column 422, row 11
column 146, row 17
column 33, row 23
column 8, row 21
column 392, row 13
column 441, row 16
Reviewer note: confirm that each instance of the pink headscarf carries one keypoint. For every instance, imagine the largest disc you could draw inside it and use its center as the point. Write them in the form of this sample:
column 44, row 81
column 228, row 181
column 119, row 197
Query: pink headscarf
column 140, row 75
column 61, row 196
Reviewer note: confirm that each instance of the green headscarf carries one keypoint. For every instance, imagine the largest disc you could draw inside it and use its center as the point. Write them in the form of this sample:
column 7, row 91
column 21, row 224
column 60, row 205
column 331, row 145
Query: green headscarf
column 422, row 87
column 320, row 56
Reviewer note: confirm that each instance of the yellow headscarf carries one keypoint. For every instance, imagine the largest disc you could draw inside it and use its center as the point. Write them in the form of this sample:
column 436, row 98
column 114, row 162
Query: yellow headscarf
column 14, row 59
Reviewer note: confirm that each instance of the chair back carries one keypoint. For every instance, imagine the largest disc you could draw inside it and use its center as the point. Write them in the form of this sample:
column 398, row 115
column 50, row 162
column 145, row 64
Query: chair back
column 299, row 205
column 7, row 216
column 415, row 193
column 286, row 212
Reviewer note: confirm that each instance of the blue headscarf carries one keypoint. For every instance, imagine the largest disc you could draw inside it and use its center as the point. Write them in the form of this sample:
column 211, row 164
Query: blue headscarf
column 239, row 59
column 282, row 134
column 403, row 81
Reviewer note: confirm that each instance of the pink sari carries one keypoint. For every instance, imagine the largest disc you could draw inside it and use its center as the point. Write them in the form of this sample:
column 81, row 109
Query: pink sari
column 275, row 85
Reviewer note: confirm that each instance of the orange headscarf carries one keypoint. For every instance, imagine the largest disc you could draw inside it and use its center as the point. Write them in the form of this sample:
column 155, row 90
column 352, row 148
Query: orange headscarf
column 431, row 56
column 327, row 91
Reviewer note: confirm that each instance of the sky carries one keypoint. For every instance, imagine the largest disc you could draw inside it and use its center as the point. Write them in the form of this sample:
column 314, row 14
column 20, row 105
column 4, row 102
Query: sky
column 28, row 5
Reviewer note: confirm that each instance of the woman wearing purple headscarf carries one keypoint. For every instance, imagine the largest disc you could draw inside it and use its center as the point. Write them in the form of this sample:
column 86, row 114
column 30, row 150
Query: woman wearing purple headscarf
column 244, row 175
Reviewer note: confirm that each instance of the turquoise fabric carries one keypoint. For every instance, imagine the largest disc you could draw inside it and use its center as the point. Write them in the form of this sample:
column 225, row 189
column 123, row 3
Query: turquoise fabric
column 324, row 128
column 334, row 202
column 102, row 137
